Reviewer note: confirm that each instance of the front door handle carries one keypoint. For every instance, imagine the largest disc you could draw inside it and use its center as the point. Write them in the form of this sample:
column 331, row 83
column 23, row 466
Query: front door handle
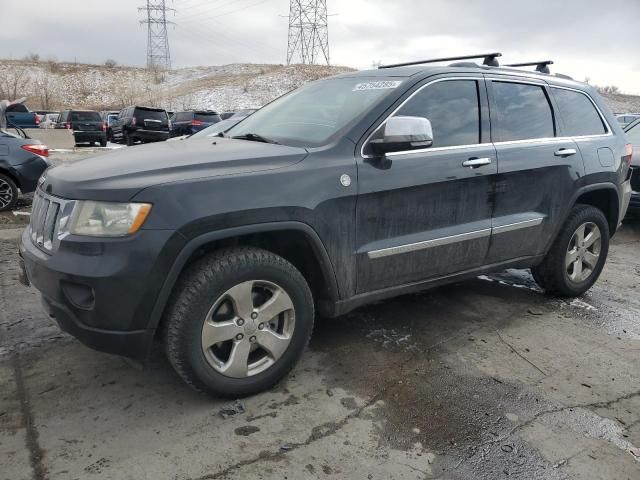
column 565, row 152
column 476, row 162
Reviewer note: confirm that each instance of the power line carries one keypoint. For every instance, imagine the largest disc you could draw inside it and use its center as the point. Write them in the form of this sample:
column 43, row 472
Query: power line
column 158, row 54
column 308, row 32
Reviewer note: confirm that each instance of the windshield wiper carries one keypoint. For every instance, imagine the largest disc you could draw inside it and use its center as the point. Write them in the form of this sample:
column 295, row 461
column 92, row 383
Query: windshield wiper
column 254, row 137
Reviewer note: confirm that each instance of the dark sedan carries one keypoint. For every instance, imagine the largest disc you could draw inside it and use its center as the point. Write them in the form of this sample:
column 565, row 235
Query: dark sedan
column 188, row 123
column 22, row 162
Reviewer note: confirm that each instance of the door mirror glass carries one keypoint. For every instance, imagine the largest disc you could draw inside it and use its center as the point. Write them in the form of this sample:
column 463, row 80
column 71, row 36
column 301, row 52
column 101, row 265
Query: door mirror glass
column 403, row 134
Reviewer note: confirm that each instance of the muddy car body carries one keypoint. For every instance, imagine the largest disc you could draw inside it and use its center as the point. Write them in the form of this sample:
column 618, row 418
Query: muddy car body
column 349, row 190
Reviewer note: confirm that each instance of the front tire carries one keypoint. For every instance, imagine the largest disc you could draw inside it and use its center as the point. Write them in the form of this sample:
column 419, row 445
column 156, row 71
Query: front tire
column 8, row 193
column 578, row 254
column 238, row 321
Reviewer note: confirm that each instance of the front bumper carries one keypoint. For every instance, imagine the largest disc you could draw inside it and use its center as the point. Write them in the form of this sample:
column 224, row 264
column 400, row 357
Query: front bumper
column 100, row 291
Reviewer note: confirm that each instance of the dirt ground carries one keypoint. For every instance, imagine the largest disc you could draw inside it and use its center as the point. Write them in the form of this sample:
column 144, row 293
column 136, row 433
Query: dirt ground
column 484, row 379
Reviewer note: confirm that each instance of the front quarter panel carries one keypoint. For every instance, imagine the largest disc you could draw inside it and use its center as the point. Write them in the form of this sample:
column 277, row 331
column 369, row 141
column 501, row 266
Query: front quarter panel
column 309, row 192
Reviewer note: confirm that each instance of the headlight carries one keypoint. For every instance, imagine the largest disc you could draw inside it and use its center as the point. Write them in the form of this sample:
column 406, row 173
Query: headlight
column 107, row 219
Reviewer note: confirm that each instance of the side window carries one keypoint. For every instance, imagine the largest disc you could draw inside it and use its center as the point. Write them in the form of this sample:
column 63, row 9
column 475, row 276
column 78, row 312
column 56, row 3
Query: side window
column 523, row 112
column 579, row 115
column 452, row 107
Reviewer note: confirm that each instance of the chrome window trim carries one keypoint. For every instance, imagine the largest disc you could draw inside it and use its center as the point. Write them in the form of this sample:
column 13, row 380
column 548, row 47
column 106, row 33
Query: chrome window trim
column 526, row 81
column 422, row 150
column 448, row 240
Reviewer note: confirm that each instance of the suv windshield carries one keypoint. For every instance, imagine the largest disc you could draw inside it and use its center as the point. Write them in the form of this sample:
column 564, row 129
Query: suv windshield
column 311, row 115
column 85, row 117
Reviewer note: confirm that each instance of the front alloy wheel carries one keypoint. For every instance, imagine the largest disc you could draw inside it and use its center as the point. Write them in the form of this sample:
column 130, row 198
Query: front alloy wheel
column 238, row 321
column 248, row 328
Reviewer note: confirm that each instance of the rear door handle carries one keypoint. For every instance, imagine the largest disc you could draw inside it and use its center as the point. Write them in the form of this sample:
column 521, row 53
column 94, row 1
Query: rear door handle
column 565, row 152
column 476, row 162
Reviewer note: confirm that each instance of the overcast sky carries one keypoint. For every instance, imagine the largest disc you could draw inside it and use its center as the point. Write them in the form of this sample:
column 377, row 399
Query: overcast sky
column 586, row 38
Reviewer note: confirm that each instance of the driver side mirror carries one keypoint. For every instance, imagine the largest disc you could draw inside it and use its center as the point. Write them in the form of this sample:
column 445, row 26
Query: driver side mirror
column 402, row 134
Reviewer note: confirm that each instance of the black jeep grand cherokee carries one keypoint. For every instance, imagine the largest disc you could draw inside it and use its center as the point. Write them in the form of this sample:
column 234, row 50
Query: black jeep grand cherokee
column 346, row 191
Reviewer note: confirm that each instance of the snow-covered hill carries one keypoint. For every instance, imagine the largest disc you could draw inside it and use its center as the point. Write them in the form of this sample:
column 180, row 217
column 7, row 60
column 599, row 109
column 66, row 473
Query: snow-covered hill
column 54, row 85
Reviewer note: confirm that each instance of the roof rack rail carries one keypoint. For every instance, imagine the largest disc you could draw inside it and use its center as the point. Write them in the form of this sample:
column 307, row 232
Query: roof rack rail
column 541, row 66
column 490, row 59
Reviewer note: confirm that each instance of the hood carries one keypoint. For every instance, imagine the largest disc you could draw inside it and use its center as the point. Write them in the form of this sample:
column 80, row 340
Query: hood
column 119, row 175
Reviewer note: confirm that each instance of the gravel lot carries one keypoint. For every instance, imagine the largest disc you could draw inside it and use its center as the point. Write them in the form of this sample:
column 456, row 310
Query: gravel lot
column 485, row 379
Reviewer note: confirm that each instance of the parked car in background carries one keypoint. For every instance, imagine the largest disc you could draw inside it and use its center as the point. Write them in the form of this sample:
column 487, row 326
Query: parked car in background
column 108, row 118
column 140, row 124
column 190, row 122
column 633, row 135
column 627, row 118
column 50, row 120
column 87, row 126
column 243, row 112
column 221, row 127
column 22, row 162
column 347, row 191
column 18, row 115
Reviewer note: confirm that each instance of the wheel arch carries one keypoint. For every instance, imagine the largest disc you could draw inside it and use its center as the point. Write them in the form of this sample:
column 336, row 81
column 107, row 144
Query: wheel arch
column 603, row 196
column 317, row 269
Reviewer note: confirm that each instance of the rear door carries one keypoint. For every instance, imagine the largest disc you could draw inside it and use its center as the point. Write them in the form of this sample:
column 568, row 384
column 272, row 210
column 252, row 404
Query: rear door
column 537, row 168
column 423, row 214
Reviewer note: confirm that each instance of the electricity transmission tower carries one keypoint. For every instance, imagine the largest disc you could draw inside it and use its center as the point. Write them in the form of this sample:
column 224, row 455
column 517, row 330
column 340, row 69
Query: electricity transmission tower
column 158, row 55
column 308, row 32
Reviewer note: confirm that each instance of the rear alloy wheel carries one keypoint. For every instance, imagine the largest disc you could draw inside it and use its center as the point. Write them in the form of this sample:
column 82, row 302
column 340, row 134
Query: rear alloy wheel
column 8, row 193
column 583, row 252
column 578, row 254
column 238, row 321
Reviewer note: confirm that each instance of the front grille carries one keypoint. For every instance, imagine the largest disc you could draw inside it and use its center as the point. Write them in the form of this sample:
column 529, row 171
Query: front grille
column 46, row 213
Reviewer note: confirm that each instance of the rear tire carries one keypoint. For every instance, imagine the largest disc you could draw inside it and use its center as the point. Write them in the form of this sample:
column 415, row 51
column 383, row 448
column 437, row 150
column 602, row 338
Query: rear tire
column 8, row 193
column 578, row 254
column 208, row 297
column 103, row 143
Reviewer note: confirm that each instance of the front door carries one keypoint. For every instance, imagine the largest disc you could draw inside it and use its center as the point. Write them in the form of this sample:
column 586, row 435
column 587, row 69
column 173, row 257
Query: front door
column 426, row 213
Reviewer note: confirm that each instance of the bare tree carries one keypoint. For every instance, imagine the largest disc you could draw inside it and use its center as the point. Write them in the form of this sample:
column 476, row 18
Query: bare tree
column 13, row 82
column 110, row 62
column 32, row 57
column 45, row 88
column 610, row 89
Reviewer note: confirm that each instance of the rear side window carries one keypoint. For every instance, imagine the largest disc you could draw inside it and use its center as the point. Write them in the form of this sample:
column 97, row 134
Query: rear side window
column 453, row 109
column 85, row 117
column 523, row 112
column 144, row 114
column 579, row 115
column 183, row 117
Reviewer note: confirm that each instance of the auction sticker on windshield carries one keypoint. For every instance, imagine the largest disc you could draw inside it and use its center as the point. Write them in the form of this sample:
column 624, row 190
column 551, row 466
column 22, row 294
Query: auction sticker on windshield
column 377, row 85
